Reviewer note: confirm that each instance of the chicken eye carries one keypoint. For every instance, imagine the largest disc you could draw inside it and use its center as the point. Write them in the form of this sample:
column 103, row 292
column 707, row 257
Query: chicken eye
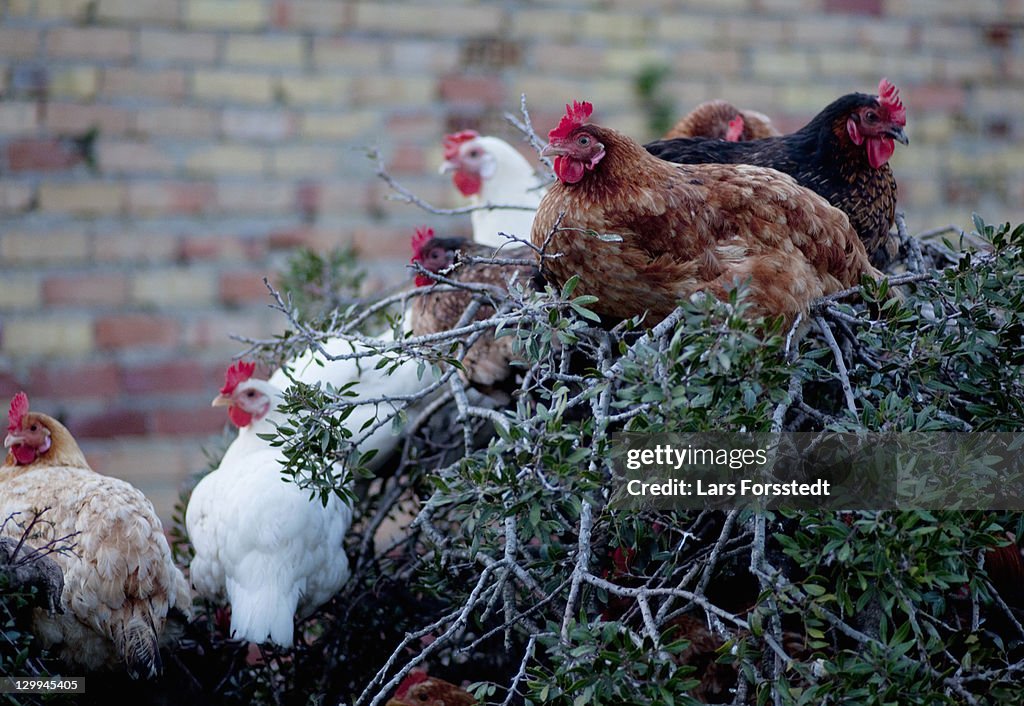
column 422, row 697
column 474, row 153
column 871, row 116
column 34, row 427
column 583, row 141
column 250, row 393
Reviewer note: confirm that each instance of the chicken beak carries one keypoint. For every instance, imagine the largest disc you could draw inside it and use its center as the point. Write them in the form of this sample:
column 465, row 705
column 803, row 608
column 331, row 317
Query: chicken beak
column 13, row 439
column 552, row 150
column 221, row 401
column 897, row 134
column 448, row 165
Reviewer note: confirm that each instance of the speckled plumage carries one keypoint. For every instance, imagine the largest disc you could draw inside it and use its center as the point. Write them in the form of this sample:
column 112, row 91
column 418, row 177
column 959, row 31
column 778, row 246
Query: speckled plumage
column 487, row 361
column 120, row 583
column 687, row 228
column 711, row 119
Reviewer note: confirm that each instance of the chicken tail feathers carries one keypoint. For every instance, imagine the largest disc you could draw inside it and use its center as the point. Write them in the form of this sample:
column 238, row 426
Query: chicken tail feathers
column 141, row 649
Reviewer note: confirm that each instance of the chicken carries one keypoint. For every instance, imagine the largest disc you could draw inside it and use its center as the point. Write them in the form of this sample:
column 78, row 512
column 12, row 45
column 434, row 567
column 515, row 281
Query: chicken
column 724, row 121
column 488, row 170
column 121, row 586
column 418, row 689
column 487, row 362
column 370, row 381
column 260, row 541
column 842, row 154
column 643, row 233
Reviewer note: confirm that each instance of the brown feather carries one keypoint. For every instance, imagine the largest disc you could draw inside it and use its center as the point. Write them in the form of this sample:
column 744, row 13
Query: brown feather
column 690, row 228
column 120, row 582
column 487, row 361
column 711, row 119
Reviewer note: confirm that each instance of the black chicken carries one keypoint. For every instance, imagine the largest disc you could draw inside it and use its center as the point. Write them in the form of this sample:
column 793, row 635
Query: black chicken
column 842, row 154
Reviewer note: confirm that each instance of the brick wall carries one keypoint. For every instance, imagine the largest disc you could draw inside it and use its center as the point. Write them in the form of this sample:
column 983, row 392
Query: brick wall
column 159, row 157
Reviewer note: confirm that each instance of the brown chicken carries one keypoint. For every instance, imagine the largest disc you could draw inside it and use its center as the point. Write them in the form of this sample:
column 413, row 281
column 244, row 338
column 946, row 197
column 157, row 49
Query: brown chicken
column 842, row 154
column 418, row 689
column 487, row 361
column 643, row 233
column 723, row 121
column 121, row 586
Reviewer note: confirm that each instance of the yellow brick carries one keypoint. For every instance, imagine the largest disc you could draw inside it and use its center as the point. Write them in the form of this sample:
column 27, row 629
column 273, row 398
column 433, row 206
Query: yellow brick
column 439, row 19
column 685, row 28
column 19, row 291
column 339, row 126
column 315, row 90
column 546, row 24
column 264, row 51
column 303, row 162
column 47, row 336
column 181, row 47
column 221, row 86
column 19, row 8
column 377, row 89
column 132, row 11
column 853, row 63
column 347, row 53
column 173, row 287
column 230, row 14
column 787, row 65
column 227, row 159
column 631, row 61
column 75, row 82
column 615, row 27
column 38, row 247
column 17, row 118
column 82, row 199
column 74, row 9
column 15, row 197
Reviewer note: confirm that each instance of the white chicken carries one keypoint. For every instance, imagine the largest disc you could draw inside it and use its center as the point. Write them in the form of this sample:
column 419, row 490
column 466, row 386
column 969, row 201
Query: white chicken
column 488, row 170
column 311, row 367
column 121, row 587
column 260, row 541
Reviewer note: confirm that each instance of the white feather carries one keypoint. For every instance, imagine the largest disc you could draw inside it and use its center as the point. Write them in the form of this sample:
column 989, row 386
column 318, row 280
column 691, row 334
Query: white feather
column 262, row 542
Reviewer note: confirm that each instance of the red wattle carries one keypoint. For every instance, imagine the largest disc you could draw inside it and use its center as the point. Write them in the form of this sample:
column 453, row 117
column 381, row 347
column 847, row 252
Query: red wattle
column 23, row 454
column 239, row 417
column 569, row 171
column 467, row 183
column 880, row 149
column 422, row 280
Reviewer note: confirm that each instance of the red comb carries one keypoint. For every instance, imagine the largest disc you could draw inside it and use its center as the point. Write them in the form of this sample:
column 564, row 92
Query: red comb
column 889, row 96
column 19, row 407
column 735, row 131
column 423, row 236
column 575, row 116
column 417, row 676
column 451, row 142
column 237, row 373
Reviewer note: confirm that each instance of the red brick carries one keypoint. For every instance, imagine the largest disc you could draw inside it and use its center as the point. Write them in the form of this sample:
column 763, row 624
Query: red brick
column 203, row 419
column 936, row 97
column 166, row 376
column 86, row 290
column 108, row 424
column 220, row 247
column 855, row 7
column 66, row 380
column 75, row 118
column 476, row 90
column 132, row 330
column 10, row 385
column 408, row 159
column 291, row 238
column 247, row 287
column 41, row 155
